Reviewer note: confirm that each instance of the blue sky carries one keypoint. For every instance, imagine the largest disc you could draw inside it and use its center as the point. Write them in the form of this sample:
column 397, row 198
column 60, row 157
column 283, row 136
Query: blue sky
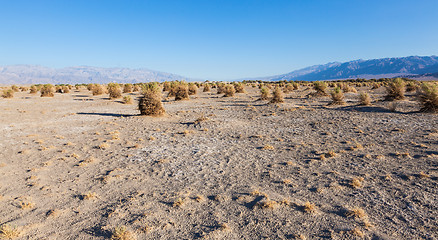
column 214, row 39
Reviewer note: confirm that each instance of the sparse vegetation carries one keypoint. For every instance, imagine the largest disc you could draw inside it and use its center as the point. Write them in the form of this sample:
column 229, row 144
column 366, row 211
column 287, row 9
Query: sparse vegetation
column 395, row 90
column 8, row 232
column 114, row 91
column 264, row 93
column 47, row 90
column 364, row 99
column 8, row 93
column 127, row 100
column 277, row 96
column 428, row 98
column 337, row 96
column 150, row 104
column 122, row 233
column 229, row 90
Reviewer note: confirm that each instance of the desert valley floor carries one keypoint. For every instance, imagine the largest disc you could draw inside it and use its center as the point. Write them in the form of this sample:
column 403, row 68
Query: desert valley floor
column 78, row 166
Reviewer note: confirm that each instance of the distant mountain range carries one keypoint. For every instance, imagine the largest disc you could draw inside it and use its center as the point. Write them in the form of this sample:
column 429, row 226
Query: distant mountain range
column 413, row 67
column 33, row 74
column 422, row 68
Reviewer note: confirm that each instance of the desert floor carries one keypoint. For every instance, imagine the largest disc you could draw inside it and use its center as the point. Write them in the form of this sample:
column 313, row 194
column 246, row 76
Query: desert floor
column 78, row 166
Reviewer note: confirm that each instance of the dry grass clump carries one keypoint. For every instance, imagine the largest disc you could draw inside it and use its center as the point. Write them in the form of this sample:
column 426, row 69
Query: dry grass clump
column 150, row 104
column 8, row 232
column 122, row 233
column 337, row 96
column 207, row 88
column 33, row 89
column 411, row 86
column 239, row 87
column 229, row 90
column 309, row 207
column 25, row 204
column 127, row 88
column 357, row 182
column 277, row 96
column 178, row 202
column 193, row 89
column 180, row 91
column 15, row 88
column 97, row 89
column 268, row 147
column 320, row 88
column 114, row 90
column 89, row 196
column 8, row 93
column 357, row 232
column 264, row 93
column 364, row 99
column 47, row 90
column 357, row 213
column 395, row 90
column 65, row 89
column 267, row 204
column 428, row 98
column 127, row 100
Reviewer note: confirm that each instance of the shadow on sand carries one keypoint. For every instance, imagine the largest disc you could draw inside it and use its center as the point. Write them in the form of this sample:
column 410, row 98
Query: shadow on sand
column 109, row 114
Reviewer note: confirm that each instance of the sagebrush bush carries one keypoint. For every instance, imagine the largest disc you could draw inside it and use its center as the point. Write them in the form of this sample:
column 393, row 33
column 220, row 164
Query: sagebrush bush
column 229, row 90
column 239, row 87
column 428, row 97
column 395, row 90
column 114, row 90
column 127, row 100
column 166, row 86
column 9, row 93
column 207, row 88
column 47, row 90
column 220, row 88
column 150, row 103
column 320, row 88
column 277, row 96
column 264, row 93
column 136, row 88
column 364, row 99
column 127, row 88
column 97, row 89
column 193, row 89
column 337, row 96
column 181, row 91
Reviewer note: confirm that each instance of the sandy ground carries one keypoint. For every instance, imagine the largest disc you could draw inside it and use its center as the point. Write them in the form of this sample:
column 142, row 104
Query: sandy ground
column 78, row 166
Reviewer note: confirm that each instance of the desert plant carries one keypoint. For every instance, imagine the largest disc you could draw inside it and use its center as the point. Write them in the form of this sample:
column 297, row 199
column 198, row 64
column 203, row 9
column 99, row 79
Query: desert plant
column 127, row 100
column 166, row 86
column 193, row 89
column 24, row 89
column 8, row 232
column 220, row 88
column 320, row 88
column 411, row 86
column 150, row 104
column 127, row 88
column 181, row 91
column 428, row 98
column 229, row 90
column 277, row 96
column 364, row 99
column 114, row 90
column 207, row 88
column 33, row 89
column 264, row 93
column 97, row 89
column 47, row 90
column 122, row 233
column 337, row 96
column 136, row 88
column 395, row 90
column 65, row 89
column 15, row 88
column 9, row 93
column 239, row 87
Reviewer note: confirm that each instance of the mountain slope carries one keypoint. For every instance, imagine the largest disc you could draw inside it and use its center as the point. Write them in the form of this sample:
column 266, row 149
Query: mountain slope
column 31, row 74
column 374, row 68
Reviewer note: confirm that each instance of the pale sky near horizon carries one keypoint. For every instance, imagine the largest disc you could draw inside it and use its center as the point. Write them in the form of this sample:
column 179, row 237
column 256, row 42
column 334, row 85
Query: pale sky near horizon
column 214, row 39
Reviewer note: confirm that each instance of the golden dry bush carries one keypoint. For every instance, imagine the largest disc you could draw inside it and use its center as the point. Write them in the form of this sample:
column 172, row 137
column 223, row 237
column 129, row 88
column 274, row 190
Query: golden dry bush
column 229, row 90
column 337, row 96
column 364, row 99
column 395, row 90
column 136, row 88
column 193, row 89
column 239, row 87
column 65, row 89
column 181, row 91
column 428, row 98
column 320, row 88
column 33, row 89
column 411, row 86
column 47, row 90
column 114, row 90
column 127, row 88
column 122, row 233
column 89, row 196
column 309, row 207
column 357, row 182
column 166, row 86
column 178, row 202
column 207, row 88
column 127, row 100
column 356, row 212
column 150, row 103
column 97, row 89
column 267, row 204
column 8, row 232
column 9, row 93
column 15, row 88
column 264, row 93
column 277, row 96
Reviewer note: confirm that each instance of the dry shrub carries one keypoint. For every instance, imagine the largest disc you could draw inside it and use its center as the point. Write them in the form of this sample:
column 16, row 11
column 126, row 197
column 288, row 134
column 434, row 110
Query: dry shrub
column 309, row 207
column 136, row 88
column 122, row 233
column 411, row 86
column 375, row 85
column 229, row 90
column 395, row 90
column 337, row 96
column 264, row 93
column 15, row 88
column 320, row 88
column 47, row 90
column 97, row 89
column 150, row 104
column 288, row 88
column 357, row 213
column 8, row 232
column 277, row 96
column 428, row 98
column 114, row 90
column 193, row 89
column 33, row 89
column 127, row 100
column 220, row 88
column 90, row 86
column 166, row 86
column 65, row 89
column 207, row 88
column 24, row 89
column 364, row 99
column 181, row 91
column 127, row 88
column 9, row 93
column 239, row 87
